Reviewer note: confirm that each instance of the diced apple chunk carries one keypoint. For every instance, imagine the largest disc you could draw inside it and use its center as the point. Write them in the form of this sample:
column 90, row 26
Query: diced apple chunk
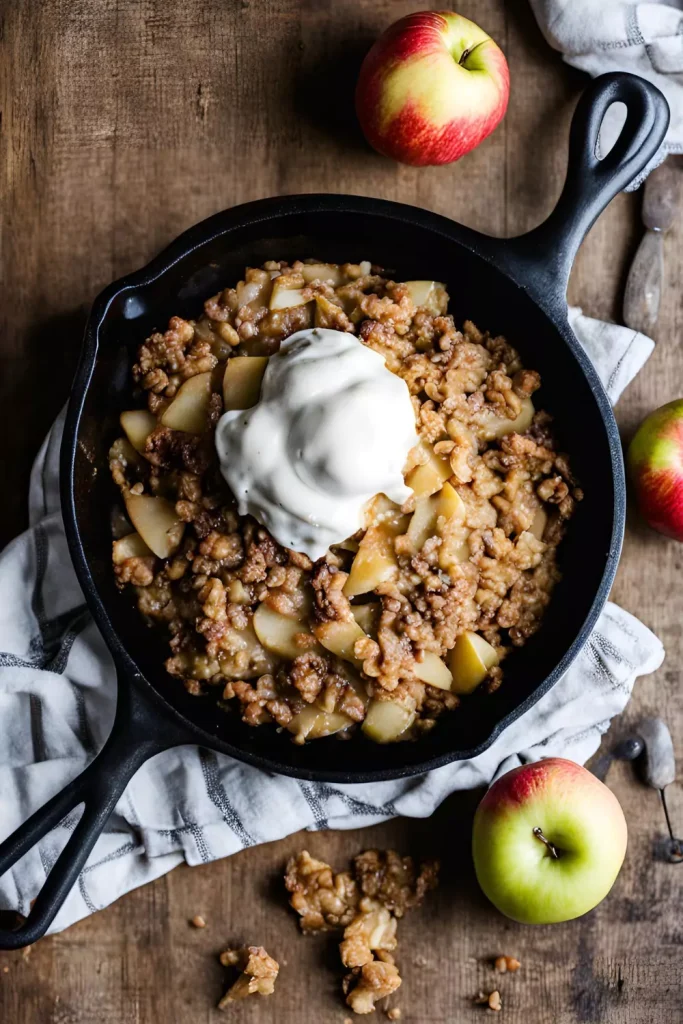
column 428, row 294
column 284, row 296
column 328, row 273
column 429, row 477
column 499, row 426
column 255, row 290
column 432, row 670
column 387, row 720
column 313, row 723
column 278, row 633
column 130, row 546
column 367, row 617
column 470, row 662
column 422, row 522
column 138, row 424
column 156, row 521
column 190, row 408
column 242, row 381
column 451, row 511
column 450, row 504
column 538, row 523
column 339, row 638
column 375, row 561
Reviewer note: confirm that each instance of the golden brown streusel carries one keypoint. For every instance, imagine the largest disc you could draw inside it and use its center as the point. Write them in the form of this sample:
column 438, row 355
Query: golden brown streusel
column 258, row 973
column 490, row 568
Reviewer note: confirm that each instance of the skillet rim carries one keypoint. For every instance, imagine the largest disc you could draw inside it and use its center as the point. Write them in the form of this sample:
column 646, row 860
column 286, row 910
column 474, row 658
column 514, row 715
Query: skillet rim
column 489, row 249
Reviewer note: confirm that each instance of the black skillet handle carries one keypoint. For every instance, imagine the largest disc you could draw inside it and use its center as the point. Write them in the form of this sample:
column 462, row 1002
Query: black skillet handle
column 542, row 259
column 135, row 737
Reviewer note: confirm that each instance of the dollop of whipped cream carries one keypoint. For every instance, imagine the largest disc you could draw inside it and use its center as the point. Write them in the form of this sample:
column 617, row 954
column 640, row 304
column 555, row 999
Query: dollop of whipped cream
column 332, row 429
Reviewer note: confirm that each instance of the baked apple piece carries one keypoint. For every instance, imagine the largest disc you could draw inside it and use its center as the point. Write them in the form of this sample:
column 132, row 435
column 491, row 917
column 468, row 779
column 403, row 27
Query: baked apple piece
column 325, row 273
column 156, row 521
column 313, row 723
column 138, row 424
column 242, row 381
column 430, row 476
column 189, row 410
column 278, row 633
column 470, row 661
column 130, row 546
column 430, row 295
column 434, row 671
column 499, row 426
column 387, row 720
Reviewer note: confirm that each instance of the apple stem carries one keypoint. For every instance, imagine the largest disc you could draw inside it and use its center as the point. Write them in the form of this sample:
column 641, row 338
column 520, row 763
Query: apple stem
column 464, row 55
column 551, row 846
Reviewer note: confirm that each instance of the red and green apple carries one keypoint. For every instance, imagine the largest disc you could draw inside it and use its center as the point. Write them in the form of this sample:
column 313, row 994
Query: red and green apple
column 655, row 462
column 548, row 842
column 432, row 87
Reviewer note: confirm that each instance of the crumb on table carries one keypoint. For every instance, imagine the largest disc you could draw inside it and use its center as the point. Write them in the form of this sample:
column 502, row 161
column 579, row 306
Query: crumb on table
column 198, row 921
column 506, row 964
column 492, row 1000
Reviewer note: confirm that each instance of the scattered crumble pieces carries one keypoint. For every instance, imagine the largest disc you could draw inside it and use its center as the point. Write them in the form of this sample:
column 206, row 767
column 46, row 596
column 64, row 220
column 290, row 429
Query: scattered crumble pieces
column 506, row 964
column 492, row 1000
column 258, row 973
column 324, row 900
column 198, row 921
column 366, row 984
column 394, row 1013
column 367, row 904
column 393, row 879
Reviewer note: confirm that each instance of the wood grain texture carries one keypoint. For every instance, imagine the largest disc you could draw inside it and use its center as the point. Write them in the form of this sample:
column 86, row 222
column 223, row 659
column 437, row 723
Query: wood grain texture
column 125, row 121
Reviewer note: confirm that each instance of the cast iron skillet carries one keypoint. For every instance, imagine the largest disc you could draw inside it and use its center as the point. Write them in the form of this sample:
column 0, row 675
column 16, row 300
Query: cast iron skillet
column 516, row 287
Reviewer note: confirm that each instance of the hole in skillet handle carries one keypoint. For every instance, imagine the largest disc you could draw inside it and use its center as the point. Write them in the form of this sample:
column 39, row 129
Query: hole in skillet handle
column 541, row 260
column 137, row 735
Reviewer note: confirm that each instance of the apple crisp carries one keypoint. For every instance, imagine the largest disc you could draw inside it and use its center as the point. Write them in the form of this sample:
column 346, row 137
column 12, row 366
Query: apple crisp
column 367, row 903
column 396, row 624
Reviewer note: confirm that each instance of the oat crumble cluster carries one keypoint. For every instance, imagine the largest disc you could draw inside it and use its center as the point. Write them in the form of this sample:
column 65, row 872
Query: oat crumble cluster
column 257, row 973
column 366, row 903
column 396, row 624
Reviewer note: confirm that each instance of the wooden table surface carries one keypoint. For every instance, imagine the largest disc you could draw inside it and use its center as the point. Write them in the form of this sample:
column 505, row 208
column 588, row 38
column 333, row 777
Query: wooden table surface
column 124, row 122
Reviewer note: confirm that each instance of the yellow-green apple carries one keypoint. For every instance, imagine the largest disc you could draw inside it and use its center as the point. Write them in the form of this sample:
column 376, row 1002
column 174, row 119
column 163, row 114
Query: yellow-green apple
column 655, row 462
column 548, row 841
column 431, row 88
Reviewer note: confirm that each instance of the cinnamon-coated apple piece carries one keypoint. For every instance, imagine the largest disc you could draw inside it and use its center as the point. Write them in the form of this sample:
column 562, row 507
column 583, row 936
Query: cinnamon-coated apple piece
column 313, row 723
column 470, row 661
column 130, row 546
column 278, row 633
column 189, row 410
column 138, row 424
column 499, row 426
column 156, row 521
column 387, row 720
column 433, row 670
column 242, row 381
column 429, row 295
column 431, row 475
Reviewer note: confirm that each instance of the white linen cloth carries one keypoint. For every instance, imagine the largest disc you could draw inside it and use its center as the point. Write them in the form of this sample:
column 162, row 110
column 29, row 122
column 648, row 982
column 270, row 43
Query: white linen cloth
column 57, row 699
column 613, row 35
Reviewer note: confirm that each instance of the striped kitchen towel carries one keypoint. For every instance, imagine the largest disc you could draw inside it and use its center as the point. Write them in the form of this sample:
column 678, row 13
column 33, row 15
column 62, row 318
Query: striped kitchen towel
column 57, row 697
